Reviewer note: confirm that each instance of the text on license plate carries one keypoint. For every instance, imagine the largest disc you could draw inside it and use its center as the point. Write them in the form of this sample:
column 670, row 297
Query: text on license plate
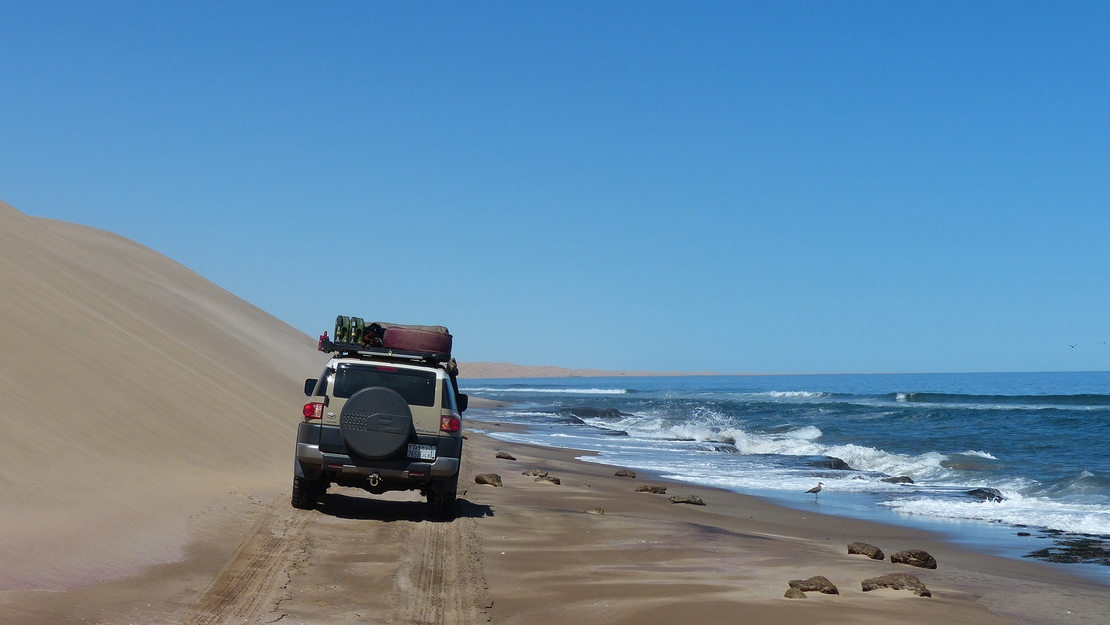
column 422, row 452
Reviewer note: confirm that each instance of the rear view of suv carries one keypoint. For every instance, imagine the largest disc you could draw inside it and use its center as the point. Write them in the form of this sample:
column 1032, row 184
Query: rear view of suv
column 381, row 417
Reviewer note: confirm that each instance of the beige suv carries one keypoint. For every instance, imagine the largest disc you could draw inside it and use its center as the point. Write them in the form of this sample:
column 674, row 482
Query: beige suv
column 381, row 419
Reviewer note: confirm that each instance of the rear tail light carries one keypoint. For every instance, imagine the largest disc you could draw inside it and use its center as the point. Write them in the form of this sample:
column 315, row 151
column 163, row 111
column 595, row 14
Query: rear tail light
column 449, row 423
column 313, row 410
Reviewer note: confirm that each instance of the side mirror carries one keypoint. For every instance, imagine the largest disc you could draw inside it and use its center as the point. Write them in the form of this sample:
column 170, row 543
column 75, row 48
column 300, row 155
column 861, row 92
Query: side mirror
column 462, row 400
column 309, row 386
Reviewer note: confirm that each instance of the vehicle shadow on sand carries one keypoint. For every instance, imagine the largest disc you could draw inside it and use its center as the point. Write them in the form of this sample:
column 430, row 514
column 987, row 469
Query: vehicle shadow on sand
column 369, row 509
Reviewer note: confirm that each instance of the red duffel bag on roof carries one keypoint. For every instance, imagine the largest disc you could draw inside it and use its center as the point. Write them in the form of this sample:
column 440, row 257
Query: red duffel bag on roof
column 417, row 338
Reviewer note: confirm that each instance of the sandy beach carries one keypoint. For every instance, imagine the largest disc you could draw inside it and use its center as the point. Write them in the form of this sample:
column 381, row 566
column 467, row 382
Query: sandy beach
column 148, row 423
column 529, row 552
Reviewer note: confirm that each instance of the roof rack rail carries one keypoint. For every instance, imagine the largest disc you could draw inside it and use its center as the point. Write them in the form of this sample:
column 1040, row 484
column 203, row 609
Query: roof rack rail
column 354, row 349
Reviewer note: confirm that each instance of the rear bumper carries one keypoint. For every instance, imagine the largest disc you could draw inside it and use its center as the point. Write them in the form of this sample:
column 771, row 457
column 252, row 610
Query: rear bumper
column 313, row 463
column 322, row 453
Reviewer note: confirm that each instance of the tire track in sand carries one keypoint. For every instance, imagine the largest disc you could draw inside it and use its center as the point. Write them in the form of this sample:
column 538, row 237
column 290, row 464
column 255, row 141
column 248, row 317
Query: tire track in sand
column 247, row 586
column 440, row 581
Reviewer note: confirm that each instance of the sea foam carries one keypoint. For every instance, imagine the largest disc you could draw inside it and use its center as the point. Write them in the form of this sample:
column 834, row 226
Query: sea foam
column 1015, row 510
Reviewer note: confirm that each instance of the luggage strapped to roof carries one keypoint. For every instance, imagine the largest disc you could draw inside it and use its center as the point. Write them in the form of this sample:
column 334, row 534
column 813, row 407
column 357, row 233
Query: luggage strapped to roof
column 354, row 337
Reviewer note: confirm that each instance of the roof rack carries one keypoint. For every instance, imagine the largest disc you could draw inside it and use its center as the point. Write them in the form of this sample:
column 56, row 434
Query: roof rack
column 327, row 346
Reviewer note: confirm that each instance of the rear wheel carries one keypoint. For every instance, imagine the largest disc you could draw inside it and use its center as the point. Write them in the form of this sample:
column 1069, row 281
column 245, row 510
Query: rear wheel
column 305, row 493
column 441, row 499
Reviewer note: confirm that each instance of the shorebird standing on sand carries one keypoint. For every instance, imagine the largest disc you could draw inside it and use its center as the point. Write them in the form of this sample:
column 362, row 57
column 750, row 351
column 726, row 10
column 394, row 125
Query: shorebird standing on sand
column 815, row 490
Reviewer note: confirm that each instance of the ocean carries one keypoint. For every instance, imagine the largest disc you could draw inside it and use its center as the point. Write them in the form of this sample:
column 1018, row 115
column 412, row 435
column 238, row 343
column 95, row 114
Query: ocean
column 1041, row 441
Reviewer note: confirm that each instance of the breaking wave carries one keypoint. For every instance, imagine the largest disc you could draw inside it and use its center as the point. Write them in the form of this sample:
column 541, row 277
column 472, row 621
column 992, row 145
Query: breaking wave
column 1015, row 510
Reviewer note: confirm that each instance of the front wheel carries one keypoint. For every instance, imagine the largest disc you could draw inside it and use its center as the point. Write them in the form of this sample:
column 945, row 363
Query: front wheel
column 305, row 493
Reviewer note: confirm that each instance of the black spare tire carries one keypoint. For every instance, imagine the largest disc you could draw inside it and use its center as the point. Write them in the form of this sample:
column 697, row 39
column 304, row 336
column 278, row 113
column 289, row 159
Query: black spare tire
column 376, row 422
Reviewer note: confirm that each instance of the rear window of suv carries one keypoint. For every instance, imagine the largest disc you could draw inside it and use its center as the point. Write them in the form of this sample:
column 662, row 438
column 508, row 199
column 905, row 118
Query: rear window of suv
column 418, row 388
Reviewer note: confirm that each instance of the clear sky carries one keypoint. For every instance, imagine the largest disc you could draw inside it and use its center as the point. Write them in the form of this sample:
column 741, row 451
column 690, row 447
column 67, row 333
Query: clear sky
column 772, row 187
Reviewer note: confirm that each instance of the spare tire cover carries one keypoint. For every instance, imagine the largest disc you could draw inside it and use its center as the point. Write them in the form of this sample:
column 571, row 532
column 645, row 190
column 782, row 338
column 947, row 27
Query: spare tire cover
column 376, row 422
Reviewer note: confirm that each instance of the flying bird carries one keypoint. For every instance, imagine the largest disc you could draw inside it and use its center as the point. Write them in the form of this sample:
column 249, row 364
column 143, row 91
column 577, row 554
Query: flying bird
column 1073, row 345
column 815, row 490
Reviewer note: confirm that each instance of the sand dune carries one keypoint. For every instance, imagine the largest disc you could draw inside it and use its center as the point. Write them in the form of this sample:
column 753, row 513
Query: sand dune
column 133, row 394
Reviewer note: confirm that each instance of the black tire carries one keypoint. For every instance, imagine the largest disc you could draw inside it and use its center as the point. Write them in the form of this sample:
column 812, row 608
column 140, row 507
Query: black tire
column 305, row 493
column 441, row 499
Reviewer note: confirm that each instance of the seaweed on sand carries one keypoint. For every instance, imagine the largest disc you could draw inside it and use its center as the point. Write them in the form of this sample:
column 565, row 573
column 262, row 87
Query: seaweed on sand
column 1075, row 550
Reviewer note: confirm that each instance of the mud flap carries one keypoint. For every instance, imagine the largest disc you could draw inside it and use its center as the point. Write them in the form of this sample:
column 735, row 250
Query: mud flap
column 308, row 473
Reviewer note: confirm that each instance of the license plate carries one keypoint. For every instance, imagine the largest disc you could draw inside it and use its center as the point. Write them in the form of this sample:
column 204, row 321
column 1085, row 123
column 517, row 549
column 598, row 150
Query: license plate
column 422, row 452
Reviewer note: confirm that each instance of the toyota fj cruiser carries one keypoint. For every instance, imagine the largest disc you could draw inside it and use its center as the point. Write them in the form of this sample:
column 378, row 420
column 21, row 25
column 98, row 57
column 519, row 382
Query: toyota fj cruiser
column 384, row 415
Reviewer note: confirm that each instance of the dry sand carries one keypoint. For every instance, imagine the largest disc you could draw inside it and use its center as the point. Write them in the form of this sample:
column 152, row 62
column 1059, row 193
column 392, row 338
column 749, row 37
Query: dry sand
column 148, row 418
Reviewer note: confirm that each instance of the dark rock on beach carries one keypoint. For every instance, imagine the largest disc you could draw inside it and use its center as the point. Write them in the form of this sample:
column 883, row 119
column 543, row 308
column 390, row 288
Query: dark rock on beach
column 901, row 479
column 897, row 581
column 986, row 494
column 833, row 463
column 817, row 583
column 915, row 557
column 504, row 455
column 871, row 551
column 534, row 473
column 570, row 419
column 548, row 478
column 657, row 490
column 593, row 413
column 794, row 593
column 690, row 499
column 492, row 479
column 625, row 473
column 721, row 448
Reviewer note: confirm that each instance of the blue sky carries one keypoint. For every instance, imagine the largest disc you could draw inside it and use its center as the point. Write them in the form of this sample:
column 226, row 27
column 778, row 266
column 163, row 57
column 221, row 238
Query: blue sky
column 774, row 187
